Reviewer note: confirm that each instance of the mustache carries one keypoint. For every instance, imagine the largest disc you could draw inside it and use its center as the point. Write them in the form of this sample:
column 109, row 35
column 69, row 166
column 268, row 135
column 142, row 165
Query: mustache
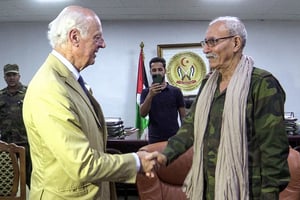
column 211, row 55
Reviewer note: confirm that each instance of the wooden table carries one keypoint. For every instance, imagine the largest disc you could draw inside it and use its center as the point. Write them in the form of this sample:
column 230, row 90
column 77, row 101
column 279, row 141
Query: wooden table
column 294, row 140
column 126, row 146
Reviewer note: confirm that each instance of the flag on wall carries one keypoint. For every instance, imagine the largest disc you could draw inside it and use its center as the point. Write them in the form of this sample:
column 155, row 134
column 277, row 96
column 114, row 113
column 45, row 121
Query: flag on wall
column 140, row 122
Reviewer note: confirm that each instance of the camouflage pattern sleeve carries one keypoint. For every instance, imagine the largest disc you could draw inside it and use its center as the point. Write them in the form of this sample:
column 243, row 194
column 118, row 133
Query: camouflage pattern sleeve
column 184, row 137
column 269, row 130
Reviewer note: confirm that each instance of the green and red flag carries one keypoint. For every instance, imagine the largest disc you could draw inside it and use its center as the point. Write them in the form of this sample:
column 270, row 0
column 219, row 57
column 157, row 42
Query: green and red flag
column 142, row 82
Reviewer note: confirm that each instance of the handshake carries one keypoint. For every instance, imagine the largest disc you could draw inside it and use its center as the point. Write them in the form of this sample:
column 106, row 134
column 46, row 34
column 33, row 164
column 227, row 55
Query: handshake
column 151, row 161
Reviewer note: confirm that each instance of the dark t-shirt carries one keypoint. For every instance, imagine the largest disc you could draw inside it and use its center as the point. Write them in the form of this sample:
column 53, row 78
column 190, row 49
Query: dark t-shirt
column 163, row 115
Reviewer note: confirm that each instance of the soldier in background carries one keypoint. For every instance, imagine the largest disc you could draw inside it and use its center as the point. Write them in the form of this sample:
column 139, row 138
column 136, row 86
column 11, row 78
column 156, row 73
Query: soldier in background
column 11, row 121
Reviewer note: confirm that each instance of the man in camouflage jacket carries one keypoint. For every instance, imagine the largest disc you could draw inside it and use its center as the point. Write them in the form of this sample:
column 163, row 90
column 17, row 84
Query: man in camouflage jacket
column 12, row 129
column 267, row 141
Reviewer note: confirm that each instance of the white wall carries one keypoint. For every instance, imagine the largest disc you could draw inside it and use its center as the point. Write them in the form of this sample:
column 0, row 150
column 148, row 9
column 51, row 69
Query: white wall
column 274, row 46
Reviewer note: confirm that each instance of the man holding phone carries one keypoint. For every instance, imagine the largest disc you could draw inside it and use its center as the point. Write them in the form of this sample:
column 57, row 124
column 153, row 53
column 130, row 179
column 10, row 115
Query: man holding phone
column 162, row 102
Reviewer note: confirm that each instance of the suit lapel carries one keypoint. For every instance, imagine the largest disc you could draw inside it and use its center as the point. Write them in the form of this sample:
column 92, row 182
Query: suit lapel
column 70, row 80
column 99, row 114
column 89, row 100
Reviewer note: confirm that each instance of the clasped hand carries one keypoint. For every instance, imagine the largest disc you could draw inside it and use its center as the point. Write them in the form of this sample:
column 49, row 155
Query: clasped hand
column 151, row 161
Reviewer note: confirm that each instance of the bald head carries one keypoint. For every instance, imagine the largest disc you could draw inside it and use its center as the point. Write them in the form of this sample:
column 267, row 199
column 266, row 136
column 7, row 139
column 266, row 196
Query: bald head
column 69, row 18
column 76, row 33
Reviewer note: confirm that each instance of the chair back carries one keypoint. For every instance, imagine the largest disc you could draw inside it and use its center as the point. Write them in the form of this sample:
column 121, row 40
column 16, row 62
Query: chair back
column 12, row 172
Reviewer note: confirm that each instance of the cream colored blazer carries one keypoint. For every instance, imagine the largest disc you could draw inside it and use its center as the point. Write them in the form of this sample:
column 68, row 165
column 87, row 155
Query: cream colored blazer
column 67, row 137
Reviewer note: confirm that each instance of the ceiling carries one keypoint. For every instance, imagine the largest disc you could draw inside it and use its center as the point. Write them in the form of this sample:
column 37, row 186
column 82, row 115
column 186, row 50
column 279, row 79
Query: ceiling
column 33, row 10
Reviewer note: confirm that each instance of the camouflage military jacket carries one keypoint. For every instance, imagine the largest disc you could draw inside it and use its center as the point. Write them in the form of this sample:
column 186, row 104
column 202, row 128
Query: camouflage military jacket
column 11, row 121
column 267, row 140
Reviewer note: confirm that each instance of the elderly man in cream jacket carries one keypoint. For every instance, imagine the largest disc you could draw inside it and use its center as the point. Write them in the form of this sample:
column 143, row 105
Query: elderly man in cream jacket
column 65, row 124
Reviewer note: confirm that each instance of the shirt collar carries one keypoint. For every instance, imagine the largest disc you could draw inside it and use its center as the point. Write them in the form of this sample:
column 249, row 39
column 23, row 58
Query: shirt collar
column 67, row 63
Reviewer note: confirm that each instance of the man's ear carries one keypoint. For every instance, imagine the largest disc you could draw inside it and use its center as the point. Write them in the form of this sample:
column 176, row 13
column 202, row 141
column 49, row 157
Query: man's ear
column 237, row 43
column 74, row 37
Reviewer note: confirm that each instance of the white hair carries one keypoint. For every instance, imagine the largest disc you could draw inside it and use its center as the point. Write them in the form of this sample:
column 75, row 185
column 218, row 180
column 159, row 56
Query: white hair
column 67, row 20
column 234, row 25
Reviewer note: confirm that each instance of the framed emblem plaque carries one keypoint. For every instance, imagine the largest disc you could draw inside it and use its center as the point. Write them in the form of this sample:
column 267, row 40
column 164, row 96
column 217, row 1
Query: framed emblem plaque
column 186, row 65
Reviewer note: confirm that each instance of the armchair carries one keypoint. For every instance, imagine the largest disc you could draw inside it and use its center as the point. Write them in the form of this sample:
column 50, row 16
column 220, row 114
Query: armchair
column 292, row 191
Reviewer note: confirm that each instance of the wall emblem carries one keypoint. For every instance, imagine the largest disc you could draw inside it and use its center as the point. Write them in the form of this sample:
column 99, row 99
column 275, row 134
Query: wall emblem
column 186, row 70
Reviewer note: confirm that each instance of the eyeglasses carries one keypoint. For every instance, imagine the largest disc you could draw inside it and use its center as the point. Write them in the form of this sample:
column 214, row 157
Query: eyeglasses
column 214, row 41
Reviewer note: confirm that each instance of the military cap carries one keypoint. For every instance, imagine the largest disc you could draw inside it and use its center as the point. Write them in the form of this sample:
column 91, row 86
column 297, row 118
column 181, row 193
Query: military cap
column 11, row 68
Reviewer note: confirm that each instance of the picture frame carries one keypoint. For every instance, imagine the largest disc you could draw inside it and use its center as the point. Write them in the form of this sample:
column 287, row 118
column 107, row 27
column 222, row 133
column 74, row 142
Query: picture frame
column 186, row 65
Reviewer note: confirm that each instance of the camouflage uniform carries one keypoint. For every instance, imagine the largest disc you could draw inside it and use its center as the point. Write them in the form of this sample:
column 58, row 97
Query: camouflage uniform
column 11, row 122
column 268, row 146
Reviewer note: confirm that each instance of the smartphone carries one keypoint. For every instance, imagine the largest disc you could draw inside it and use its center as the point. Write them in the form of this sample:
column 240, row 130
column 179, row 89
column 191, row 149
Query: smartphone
column 157, row 78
